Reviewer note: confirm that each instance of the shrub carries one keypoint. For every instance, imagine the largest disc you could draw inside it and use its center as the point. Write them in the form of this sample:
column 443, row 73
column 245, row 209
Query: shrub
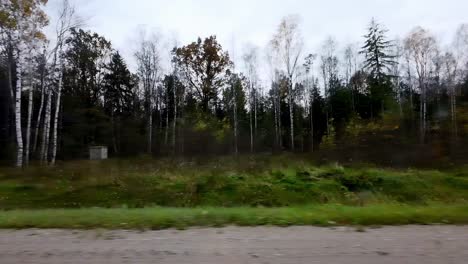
column 358, row 182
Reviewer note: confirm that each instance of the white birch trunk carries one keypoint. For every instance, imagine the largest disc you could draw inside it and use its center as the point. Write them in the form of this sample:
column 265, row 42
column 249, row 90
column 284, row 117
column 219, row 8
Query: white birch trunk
column 275, row 108
column 56, row 115
column 46, row 130
column 18, row 90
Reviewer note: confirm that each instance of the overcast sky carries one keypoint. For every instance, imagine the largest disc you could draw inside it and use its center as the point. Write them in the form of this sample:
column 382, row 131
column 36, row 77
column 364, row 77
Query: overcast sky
column 238, row 22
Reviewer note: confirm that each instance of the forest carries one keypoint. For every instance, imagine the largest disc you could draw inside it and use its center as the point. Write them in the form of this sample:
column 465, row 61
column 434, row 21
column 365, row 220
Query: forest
column 392, row 101
column 200, row 133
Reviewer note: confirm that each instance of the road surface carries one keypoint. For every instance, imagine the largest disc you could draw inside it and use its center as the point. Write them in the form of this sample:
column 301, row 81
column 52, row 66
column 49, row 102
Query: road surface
column 232, row 245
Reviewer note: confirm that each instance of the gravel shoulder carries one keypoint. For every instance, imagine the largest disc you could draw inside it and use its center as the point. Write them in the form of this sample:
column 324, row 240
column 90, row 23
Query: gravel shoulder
column 232, row 245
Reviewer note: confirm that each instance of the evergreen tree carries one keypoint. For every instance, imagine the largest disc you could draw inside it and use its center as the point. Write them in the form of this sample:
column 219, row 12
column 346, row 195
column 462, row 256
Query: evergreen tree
column 378, row 63
column 118, row 91
column 119, row 85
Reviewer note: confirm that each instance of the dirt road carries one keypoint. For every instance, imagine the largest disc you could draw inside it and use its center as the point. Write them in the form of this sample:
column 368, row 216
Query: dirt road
column 232, row 245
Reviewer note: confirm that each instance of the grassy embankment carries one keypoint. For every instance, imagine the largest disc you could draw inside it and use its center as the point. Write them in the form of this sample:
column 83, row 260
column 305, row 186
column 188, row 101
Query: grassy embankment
column 278, row 190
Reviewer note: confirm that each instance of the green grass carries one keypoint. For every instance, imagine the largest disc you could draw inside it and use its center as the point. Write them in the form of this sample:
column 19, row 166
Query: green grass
column 269, row 181
column 260, row 190
column 159, row 218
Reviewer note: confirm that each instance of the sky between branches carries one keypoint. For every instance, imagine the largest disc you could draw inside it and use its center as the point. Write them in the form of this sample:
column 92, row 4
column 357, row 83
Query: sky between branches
column 241, row 22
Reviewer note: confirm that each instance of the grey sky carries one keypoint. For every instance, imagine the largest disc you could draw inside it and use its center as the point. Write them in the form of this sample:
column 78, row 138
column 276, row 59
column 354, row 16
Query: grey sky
column 236, row 23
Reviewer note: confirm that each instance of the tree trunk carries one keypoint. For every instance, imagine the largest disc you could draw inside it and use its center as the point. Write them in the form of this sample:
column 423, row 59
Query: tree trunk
column 18, row 90
column 39, row 115
column 236, row 149
column 398, row 88
column 149, row 119
column 255, row 117
column 28, row 129
column 114, row 133
column 56, row 115
column 46, row 129
column 410, row 90
column 182, row 127
column 251, row 127
column 453, row 108
column 312, row 124
column 150, row 131
column 275, row 107
column 291, row 114
column 280, row 128
column 166, row 135
column 422, row 111
column 174, row 123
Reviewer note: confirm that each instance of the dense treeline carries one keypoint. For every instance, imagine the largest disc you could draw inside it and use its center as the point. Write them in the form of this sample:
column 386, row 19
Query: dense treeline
column 396, row 96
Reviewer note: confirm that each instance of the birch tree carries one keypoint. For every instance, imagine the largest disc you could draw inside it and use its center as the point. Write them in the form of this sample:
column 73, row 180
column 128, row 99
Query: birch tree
column 329, row 70
column 30, row 84
column 310, row 85
column 271, row 60
column 41, row 63
column 148, row 61
column 250, row 59
column 350, row 64
column 396, row 73
column 21, row 24
column 421, row 46
column 288, row 44
column 67, row 20
column 453, row 62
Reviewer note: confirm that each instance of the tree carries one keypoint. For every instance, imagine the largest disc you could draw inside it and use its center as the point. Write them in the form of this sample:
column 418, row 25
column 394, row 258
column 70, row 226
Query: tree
column 85, row 58
column 205, row 66
column 41, row 72
column 452, row 64
column 310, row 83
column 396, row 73
column 148, row 60
column 250, row 60
column 275, row 94
column 329, row 70
column 287, row 43
column 449, row 68
column 235, row 100
column 173, row 92
column 378, row 62
column 421, row 46
column 21, row 23
column 118, row 93
column 350, row 60
column 67, row 21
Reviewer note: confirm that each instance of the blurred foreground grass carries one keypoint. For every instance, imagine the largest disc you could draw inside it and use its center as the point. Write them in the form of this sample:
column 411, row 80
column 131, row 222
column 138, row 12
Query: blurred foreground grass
column 159, row 218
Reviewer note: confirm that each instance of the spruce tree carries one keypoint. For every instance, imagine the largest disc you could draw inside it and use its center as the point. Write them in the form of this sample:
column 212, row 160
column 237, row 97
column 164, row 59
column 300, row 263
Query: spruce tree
column 378, row 63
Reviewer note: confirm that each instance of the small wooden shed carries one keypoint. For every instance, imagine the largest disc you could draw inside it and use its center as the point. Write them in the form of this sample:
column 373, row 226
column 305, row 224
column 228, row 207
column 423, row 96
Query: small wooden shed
column 98, row 152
